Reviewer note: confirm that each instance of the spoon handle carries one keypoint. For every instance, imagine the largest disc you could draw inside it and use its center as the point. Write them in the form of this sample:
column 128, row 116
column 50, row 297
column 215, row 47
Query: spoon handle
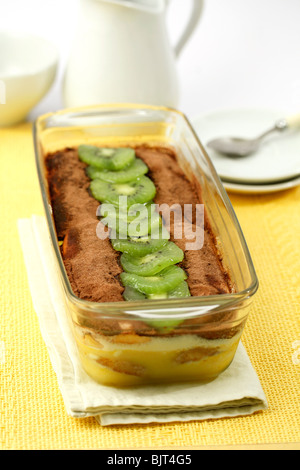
column 293, row 121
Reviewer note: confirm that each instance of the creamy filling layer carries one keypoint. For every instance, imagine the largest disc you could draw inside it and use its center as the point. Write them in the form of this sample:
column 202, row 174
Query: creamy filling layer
column 116, row 361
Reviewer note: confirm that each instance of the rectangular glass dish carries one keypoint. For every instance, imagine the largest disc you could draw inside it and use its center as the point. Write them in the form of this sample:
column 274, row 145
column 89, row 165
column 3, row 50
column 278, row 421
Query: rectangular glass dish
column 114, row 346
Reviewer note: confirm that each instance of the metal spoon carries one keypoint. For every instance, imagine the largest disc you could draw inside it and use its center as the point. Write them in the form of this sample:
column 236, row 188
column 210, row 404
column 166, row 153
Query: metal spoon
column 239, row 147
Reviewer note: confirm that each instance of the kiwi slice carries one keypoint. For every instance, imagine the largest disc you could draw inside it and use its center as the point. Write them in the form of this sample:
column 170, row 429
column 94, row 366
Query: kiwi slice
column 153, row 263
column 131, row 294
column 136, row 169
column 139, row 191
column 181, row 291
column 166, row 280
column 113, row 159
column 139, row 220
column 141, row 246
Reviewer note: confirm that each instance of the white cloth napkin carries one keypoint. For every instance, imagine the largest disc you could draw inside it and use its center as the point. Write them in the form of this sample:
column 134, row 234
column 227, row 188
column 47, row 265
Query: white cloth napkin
column 236, row 392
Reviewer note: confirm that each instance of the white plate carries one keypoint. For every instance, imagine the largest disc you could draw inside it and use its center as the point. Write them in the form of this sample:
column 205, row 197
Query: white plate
column 261, row 188
column 277, row 159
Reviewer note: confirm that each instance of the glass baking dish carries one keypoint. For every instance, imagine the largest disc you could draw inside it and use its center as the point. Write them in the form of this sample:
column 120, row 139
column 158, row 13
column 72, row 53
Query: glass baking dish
column 113, row 346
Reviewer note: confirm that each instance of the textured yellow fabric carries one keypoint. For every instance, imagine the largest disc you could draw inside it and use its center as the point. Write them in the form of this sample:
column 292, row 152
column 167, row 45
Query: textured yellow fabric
column 32, row 409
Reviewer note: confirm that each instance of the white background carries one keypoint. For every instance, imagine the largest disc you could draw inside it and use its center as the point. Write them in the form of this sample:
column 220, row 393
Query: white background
column 245, row 53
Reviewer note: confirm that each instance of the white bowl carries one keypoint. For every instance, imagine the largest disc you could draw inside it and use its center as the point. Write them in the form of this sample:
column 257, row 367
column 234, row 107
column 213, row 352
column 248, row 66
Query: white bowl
column 28, row 68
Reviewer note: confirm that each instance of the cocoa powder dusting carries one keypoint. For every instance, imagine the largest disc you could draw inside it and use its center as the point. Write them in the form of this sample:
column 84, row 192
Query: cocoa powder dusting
column 92, row 264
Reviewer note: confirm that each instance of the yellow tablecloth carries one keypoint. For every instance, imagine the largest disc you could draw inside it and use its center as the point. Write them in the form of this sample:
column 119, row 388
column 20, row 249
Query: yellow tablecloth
column 32, row 410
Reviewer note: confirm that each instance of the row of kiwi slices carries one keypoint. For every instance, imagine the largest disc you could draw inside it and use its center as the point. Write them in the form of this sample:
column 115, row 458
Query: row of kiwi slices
column 149, row 259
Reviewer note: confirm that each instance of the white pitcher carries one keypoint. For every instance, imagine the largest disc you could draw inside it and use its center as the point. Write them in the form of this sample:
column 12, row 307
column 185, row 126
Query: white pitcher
column 122, row 53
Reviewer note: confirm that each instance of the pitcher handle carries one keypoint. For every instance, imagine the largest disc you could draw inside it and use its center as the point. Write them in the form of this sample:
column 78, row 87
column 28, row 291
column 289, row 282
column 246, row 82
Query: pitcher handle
column 196, row 13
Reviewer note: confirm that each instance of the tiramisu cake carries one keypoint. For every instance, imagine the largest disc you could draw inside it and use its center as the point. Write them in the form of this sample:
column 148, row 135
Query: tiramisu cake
column 117, row 246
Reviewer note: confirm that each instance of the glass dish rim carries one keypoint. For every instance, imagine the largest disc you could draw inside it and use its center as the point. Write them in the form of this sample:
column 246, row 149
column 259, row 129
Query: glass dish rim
column 106, row 309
